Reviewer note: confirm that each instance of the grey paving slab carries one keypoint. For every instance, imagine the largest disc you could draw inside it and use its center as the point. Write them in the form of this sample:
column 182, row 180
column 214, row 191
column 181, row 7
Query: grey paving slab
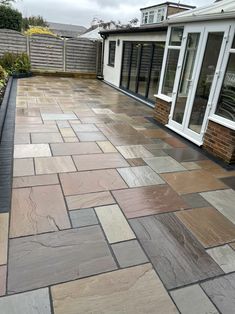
column 83, row 217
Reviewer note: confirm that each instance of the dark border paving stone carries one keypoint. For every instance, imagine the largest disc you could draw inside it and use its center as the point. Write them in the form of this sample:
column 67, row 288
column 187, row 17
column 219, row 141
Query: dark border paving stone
column 222, row 292
column 185, row 154
column 39, row 261
column 176, row 255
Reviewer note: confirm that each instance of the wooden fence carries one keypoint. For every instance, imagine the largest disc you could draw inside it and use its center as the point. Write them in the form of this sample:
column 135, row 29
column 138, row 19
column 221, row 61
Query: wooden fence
column 53, row 54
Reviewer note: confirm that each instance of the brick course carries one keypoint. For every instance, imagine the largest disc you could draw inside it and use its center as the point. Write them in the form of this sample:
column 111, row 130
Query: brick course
column 162, row 111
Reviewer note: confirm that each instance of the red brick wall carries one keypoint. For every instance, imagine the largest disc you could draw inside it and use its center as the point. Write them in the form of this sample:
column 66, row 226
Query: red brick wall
column 220, row 141
column 162, row 111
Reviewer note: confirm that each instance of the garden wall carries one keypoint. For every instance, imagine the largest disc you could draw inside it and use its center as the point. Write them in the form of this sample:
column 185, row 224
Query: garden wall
column 52, row 54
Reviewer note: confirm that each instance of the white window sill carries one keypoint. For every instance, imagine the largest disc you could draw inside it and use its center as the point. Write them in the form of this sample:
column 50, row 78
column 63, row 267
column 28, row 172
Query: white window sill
column 222, row 121
column 164, row 97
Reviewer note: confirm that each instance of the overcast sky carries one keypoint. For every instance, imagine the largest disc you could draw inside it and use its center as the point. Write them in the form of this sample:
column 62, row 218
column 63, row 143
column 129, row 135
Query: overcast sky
column 81, row 12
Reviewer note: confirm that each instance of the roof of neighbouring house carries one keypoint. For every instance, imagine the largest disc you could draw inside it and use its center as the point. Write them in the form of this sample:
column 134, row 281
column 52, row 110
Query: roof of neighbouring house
column 174, row 4
column 93, row 34
column 218, row 10
column 141, row 29
column 66, row 30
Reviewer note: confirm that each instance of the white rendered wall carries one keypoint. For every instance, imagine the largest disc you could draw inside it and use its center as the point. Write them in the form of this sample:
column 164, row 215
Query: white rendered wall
column 112, row 74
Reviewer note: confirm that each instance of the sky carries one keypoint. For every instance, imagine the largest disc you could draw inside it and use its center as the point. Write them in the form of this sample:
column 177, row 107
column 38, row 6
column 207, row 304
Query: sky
column 81, row 12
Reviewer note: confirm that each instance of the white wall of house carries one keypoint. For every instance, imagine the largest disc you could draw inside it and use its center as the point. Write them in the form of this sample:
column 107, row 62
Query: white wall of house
column 112, row 74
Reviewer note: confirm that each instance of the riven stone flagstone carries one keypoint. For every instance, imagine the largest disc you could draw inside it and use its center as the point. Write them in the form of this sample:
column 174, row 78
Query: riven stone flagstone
column 67, row 132
column 38, row 209
column 192, row 181
column 193, row 300
column 4, row 222
column 83, row 217
column 74, row 149
column 47, row 165
column 158, row 144
column 185, row 154
column 31, row 150
column 178, row 258
column 89, row 200
column 134, row 151
column 44, row 138
column 148, row 200
column 23, row 167
column 84, row 128
column 140, row 176
column 129, row 253
column 175, row 142
column 3, row 278
column 91, row 181
column 190, row 165
column 224, row 257
column 208, row 225
column 164, row 164
column 223, row 200
column 230, row 182
column 221, row 292
column 134, row 162
column 41, row 260
column 28, row 181
column 31, row 128
column 195, row 200
column 33, row 302
column 99, row 161
column 114, row 223
column 106, row 147
column 136, row 290
column 58, row 116
column 71, row 139
column 91, row 136
column 22, row 138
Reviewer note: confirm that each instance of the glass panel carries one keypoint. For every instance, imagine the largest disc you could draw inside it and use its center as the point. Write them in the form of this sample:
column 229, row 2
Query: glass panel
column 126, row 64
column 112, row 48
column 226, row 103
column 134, row 66
column 233, row 44
column 156, row 70
column 186, row 76
column 211, row 55
column 145, row 64
column 170, row 70
column 176, row 36
column 151, row 17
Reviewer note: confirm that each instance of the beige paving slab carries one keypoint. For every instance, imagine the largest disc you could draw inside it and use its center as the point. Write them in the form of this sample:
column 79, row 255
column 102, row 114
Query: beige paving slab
column 47, row 179
column 114, row 223
column 106, row 147
column 36, row 128
column 23, row 167
column 58, row 116
column 164, row 164
column 67, row 132
column 89, row 200
column 22, row 138
column 3, row 278
column 38, row 209
column 224, row 257
column 45, row 138
column 31, row 150
column 134, row 151
column 33, row 302
column 47, row 165
column 136, row 290
column 74, row 149
column 4, row 222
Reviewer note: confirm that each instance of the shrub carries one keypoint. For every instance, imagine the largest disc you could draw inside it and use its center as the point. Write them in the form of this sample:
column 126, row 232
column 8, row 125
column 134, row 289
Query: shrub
column 37, row 30
column 10, row 18
column 3, row 73
column 15, row 63
column 8, row 60
column 22, row 64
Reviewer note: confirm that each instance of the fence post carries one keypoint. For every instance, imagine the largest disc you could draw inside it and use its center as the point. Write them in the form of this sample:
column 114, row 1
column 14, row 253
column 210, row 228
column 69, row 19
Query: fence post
column 64, row 55
column 27, row 45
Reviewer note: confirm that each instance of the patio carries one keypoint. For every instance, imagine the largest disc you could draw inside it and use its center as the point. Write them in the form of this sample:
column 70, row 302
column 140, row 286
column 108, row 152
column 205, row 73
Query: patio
column 111, row 213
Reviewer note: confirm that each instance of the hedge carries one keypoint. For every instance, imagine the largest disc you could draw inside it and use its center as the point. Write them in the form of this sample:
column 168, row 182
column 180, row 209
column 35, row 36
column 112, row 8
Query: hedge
column 10, row 18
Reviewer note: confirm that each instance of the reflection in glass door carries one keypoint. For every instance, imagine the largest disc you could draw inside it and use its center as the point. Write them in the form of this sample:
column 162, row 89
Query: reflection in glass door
column 186, row 76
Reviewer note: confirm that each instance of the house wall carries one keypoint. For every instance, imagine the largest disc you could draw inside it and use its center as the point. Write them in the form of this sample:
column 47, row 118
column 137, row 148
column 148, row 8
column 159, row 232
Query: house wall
column 111, row 74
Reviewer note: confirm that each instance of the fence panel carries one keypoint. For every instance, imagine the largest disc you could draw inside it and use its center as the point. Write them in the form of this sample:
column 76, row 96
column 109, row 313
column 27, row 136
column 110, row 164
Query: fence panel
column 12, row 41
column 80, row 55
column 46, row 52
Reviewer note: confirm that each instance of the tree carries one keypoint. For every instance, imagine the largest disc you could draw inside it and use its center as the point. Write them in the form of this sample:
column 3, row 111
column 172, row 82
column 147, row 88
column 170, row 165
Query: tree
column 34, row 21
column 6, row 2
column 10, row 18
column 114, row 24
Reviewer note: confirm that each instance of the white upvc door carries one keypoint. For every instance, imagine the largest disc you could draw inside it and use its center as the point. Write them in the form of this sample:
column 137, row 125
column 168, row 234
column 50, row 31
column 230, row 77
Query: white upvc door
column 187, row 106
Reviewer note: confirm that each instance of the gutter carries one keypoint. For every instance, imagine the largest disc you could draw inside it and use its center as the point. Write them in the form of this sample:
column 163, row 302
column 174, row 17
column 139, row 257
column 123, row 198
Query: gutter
column 206, row 17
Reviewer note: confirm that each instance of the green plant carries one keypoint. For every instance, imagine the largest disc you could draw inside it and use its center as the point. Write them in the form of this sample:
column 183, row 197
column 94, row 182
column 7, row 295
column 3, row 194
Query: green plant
column 15, row 63
column 10, row 18
column 22, row 64
column 8, row 60
column 3, row 73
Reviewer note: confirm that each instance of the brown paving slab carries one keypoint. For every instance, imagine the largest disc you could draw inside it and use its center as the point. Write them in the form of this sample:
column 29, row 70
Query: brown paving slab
column 91, row 136
column 4, row 223
column 175, row 142
column 89, row 200
column 39, row 209
column 23, row 167
column 47, row 165
column 176, row 255
column 148, row 200
column 208, row 225
column 47, row 179
column 74, row 149
column 106, row 147
column 153, row 133
column 192, row 181
column 43, row 138
column 3, row 278
column 91, row 181
column 99, row 161
column 135, row 290
column 215, row 169
column 129, row 140
column 42, row 260
column 134, row 162
column 134, row 151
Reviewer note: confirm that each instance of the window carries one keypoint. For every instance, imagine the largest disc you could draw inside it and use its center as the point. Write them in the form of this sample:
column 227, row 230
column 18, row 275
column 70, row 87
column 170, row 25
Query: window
column 151, row 17
column 112, row 49
column 160, row 15
column 169, row 69
column 145, row 18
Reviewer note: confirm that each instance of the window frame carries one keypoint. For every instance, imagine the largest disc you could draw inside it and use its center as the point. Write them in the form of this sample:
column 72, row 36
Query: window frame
column 110, row 62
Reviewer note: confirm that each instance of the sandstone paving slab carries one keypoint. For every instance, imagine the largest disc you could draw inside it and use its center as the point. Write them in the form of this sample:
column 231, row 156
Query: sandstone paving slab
column 41, row 260
column 4, row 222
column 136, row 290
column 74, row 149
column 31, row 150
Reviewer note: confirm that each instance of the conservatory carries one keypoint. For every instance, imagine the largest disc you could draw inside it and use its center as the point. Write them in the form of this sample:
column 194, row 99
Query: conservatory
column 196, row 96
